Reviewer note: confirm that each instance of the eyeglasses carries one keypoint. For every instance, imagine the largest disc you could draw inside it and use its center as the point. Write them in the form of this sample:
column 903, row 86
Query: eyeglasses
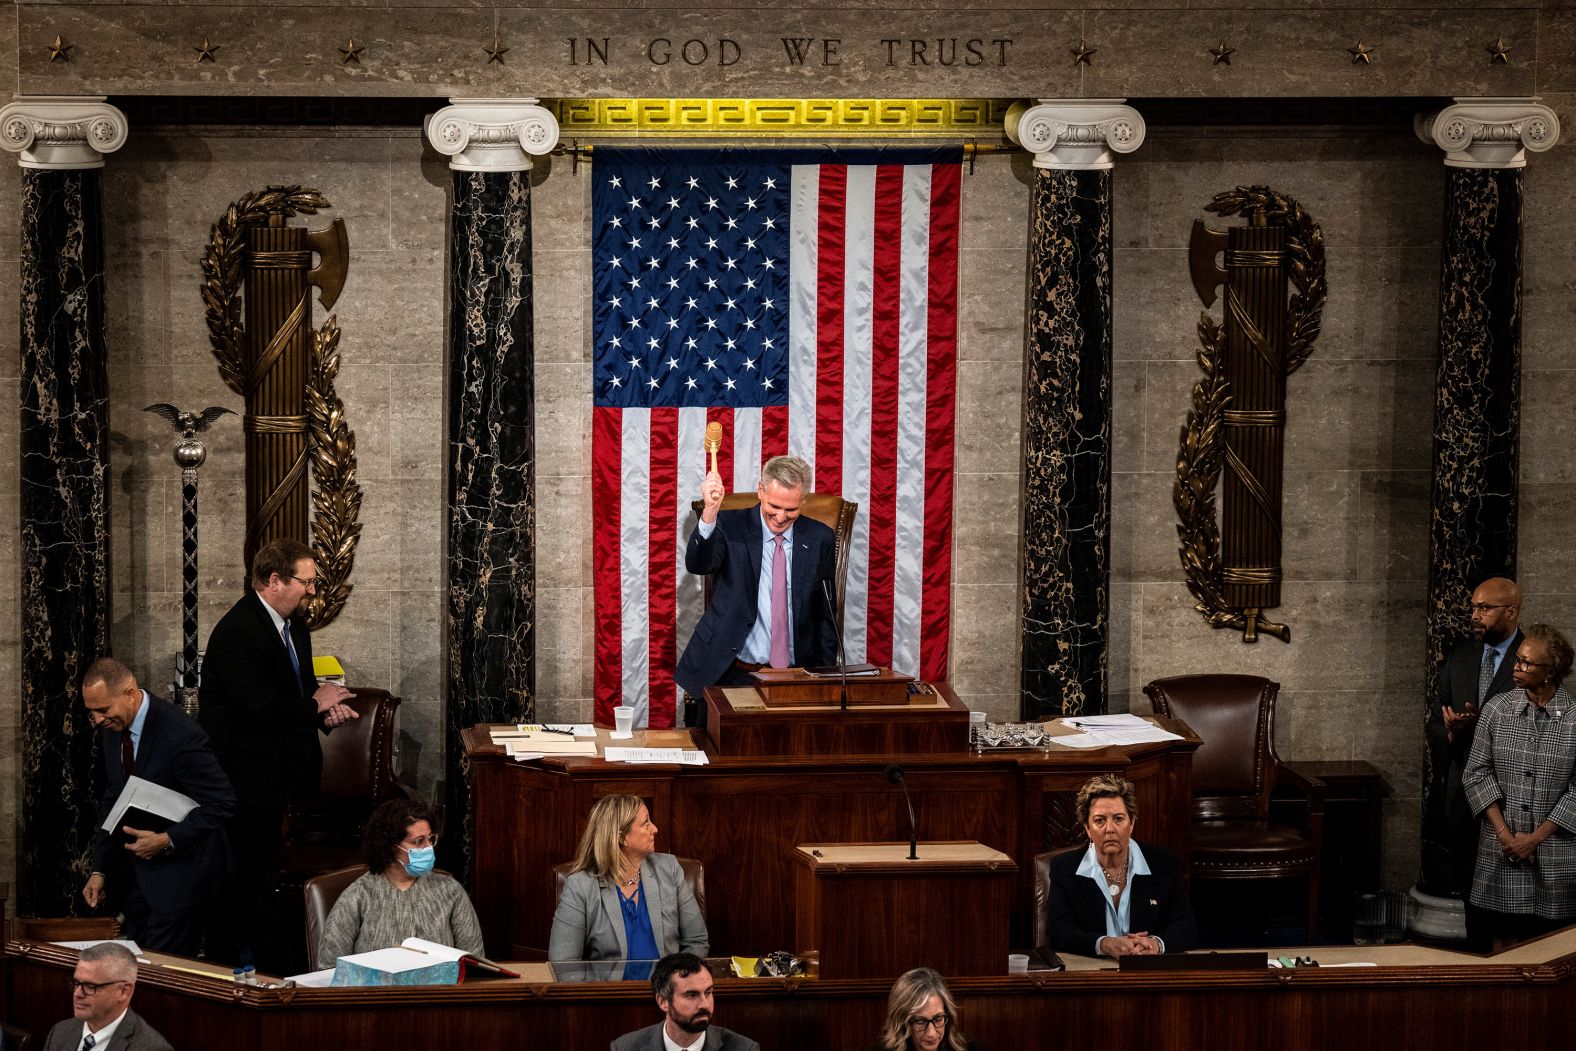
column 308, row 584
column 919, row 1025
column 1522, row 662
column 420, row 842
column 1484, row 607
column 90, row 988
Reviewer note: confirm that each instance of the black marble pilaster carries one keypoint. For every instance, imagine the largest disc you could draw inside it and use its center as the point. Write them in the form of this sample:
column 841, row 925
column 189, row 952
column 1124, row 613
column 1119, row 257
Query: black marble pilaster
column 492, row 464
column 65, row 588
column 1477, row 426
column 1067, row 446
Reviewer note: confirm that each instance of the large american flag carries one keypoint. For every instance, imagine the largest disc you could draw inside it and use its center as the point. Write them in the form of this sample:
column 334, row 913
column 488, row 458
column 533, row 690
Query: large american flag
column 807, row 300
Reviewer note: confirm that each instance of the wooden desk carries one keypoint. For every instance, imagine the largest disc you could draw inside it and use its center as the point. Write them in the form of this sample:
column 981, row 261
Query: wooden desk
column 742, row 817
column 1417, row 998
column 741, row 723
column 947, row 908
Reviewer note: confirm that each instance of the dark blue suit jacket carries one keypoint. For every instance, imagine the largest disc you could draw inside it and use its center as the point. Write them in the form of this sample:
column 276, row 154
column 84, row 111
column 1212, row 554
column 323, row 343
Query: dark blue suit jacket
column 1075, row 913
column 262, row 718
column 173, row 753
column 733, row 552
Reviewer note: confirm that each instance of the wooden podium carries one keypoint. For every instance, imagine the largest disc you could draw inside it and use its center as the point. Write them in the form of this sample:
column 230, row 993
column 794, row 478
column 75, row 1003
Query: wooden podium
column 869, row 912
column 790, row 712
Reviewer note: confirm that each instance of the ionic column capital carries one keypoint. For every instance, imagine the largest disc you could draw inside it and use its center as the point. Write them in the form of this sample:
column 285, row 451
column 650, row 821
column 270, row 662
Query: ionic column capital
column 1077, row 134
column 61, row 132
column 492, row 135
column 1490, row 132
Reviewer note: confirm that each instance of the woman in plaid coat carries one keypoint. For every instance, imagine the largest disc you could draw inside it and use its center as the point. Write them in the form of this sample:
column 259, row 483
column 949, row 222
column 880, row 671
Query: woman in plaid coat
column 1518, row 780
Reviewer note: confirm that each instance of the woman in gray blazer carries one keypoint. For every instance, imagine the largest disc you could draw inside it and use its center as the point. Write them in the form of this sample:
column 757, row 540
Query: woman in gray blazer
column 624, row 901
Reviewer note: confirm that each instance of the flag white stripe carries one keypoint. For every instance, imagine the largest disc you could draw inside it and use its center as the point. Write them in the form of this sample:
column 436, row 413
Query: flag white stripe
column 803, row 290
column 692, row 467
column 634, row 527
column 746, row 449
column 913, row 362
column 859, row 265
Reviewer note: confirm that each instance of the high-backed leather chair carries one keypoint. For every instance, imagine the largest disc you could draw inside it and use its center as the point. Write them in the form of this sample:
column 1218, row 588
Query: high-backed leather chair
column 1235, row 771
column 324, row 834
column 1042, row 892
column 694, row 875
column 15, row 1039
column 830, row 509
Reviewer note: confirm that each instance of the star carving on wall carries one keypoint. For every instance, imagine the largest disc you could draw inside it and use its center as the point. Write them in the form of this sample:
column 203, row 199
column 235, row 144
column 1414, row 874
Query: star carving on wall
column 60, row 51
column 1499, row 52
column 1083, row 55
column 1222, row 53
column 1363, row 53
column 495, row 53
column 205, row 51
column 351, row 53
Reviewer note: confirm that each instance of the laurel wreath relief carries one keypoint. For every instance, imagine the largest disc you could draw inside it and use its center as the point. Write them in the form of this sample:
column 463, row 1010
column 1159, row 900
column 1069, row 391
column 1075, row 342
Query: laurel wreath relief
column 331, row 444
column 1202, row 443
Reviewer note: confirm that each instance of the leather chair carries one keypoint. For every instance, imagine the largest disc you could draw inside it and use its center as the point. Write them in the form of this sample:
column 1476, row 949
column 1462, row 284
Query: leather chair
column 694, row 875
column 1040, row 937
column 830, row 509
column 15, row 1039
column 1235, row 771
column 324, row 834
column 320, row 893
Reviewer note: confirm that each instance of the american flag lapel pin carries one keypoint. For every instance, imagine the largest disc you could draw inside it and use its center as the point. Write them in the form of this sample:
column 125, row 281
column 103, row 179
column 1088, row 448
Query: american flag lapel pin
column 1152, row 901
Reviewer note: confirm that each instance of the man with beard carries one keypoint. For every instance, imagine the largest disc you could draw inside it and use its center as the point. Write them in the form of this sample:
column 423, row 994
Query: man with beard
column 683, row 990
column 262, row 708
column 1472, row 673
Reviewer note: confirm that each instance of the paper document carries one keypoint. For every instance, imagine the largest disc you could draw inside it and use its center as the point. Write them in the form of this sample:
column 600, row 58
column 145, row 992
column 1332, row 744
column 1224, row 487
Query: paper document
column 124, row 943
column 313, row 979
column 1100, row 722
column 1078, row 741
column 549, row 746
column 1135, row 735
column 680, row 756
column 165, row 805
column 501, row 734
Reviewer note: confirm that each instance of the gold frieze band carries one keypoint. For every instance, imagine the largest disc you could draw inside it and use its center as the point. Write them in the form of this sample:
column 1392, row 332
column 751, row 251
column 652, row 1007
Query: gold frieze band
column 929, row 118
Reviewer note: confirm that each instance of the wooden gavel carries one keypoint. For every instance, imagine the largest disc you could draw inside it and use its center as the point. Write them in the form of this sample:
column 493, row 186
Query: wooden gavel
column 714, row 442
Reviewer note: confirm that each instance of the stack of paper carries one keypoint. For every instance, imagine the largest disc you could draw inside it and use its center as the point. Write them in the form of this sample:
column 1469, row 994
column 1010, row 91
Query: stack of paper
column 679, row 756
column 147, row 807
column 1102, row 730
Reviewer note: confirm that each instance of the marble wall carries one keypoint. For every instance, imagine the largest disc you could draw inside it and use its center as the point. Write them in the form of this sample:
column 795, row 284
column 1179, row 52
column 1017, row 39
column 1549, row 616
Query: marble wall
column 1357, row 439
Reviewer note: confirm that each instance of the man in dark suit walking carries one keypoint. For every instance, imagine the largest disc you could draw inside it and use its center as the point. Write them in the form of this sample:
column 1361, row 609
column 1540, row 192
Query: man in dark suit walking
column 768, row 607
column 101, row 1015
column 159, row 880
column 683, row 989
column 1472, row 673
column 262, row 707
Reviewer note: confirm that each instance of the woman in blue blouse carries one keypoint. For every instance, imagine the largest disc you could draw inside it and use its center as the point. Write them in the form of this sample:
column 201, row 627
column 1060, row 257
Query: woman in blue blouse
column 624, row 901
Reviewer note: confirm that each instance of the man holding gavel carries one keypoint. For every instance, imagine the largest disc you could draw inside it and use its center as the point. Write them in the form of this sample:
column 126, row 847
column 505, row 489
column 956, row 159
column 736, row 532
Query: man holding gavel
column 769, row 606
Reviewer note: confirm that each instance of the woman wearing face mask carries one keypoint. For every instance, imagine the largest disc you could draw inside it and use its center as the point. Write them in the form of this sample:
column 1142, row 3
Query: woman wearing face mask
column 1116, row 898
column 400, row 896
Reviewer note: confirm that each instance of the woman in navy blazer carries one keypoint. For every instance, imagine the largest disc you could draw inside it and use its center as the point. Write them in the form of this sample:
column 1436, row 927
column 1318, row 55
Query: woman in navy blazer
column 1117, row 898
column 624, row 901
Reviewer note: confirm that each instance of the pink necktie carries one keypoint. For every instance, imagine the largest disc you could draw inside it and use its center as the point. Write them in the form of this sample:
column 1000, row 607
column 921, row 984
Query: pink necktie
column 779, row 605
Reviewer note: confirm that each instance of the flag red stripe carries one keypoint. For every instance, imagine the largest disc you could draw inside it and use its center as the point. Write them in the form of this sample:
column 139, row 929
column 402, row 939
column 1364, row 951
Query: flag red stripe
column 663, row 603
column 941, row 399
column 886, row 295
column 607, row 457
column 774, row 432
column 724, row 416
column 830, row 274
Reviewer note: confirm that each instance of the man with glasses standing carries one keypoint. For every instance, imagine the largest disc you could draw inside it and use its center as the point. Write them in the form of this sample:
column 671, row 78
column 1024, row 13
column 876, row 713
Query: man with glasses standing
column 1472, row 673
column 262, row 708
column 682, row 986
column 101, row 1014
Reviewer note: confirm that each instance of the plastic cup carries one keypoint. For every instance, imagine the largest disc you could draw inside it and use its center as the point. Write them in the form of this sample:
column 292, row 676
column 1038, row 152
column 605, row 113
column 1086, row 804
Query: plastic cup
column 1017, row 963
column 623, row 721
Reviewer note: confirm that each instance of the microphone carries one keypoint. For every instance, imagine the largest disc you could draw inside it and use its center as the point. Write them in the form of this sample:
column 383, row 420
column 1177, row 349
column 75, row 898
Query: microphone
column 894, row 775
column 842, row 658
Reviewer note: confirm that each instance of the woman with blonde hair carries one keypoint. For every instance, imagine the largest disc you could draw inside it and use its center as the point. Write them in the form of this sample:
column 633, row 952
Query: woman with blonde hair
column 622, row 899
column 922, row 1016
column 1116, row 898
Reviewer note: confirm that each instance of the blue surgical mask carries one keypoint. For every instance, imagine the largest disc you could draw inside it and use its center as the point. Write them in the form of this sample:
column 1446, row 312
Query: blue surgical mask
column 421, row 860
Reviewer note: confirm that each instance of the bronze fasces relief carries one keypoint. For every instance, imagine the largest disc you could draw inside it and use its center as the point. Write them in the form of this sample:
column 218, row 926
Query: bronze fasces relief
column 1273, row 279
column 269, row 354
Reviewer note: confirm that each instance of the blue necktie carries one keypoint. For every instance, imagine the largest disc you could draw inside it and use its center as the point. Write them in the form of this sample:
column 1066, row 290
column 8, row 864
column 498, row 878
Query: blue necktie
column 295, row 662
column 88, row 1042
